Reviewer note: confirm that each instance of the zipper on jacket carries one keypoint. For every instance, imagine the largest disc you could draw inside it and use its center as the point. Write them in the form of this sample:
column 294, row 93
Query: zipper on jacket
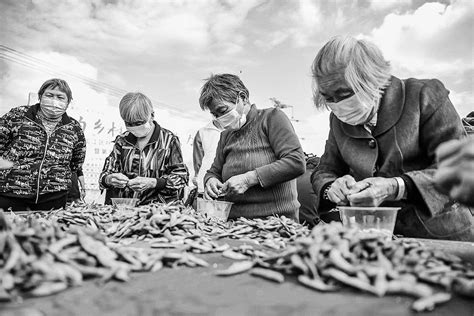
column 44, row 154
column 40, row 167
column 136, row 194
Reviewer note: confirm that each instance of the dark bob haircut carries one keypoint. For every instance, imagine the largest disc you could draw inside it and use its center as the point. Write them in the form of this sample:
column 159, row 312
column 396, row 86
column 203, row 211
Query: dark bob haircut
column 56, row 83
column 222, row 87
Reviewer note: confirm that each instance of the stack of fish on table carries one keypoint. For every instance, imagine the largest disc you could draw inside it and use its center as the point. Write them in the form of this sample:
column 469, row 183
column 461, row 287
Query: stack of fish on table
column 46, row 252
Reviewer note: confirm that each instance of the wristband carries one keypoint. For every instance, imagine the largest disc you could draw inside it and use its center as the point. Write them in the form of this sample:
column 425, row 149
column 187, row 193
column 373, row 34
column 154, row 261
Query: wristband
column 401, row 189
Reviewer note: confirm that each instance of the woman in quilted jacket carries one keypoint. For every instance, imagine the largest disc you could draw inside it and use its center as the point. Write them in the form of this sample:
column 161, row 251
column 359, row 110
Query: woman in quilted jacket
column 40, row 145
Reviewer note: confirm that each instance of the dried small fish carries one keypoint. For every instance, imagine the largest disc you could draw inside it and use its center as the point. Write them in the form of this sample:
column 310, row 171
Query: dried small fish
column 428, row 303
column 234, row 255
column 316, row 284
column 268, row 274
column 236, row 268
column 351, row 281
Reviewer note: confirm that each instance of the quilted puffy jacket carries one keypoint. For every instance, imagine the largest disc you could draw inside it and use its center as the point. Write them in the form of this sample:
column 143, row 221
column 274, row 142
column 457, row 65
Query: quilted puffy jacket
column 42, row 163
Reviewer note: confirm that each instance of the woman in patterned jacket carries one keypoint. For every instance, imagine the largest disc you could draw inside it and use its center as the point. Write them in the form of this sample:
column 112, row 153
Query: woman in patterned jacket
column 146, row 160
column 40, row 145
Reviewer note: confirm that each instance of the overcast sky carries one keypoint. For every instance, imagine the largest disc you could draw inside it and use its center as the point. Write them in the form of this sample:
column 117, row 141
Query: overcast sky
column 166, row 48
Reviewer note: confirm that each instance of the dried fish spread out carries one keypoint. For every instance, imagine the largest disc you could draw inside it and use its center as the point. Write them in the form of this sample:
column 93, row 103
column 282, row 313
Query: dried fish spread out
column 45, row 253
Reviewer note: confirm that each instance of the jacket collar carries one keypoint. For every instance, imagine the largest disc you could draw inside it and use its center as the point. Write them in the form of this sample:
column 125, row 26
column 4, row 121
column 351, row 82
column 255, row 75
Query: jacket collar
column 251, row 114
column 390, row 110
column 32, row 114
column 132, row 139
column 211, row 125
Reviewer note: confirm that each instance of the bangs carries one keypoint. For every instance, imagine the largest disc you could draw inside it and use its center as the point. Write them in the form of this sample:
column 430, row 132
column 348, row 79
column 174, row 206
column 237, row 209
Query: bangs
column 56, row 83
column 223, row 87
column 135, row 107
column 365, row 69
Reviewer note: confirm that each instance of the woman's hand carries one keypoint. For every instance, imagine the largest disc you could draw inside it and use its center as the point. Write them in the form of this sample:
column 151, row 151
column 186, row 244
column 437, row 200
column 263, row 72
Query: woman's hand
column 117, row 180
column 373, row 191
column 455, row 174
column 140, row 184
column 239, row 184
column 339, row 190
column 213, row 188
column 5, row 164
column 82, row 185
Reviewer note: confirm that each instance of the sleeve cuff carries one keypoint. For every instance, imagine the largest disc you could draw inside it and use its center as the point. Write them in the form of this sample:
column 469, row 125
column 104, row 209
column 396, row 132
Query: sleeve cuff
column 410, row 188
column 102, row 182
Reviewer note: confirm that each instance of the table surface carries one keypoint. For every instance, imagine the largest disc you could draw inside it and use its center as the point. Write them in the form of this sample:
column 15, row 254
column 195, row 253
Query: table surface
column 197, row 291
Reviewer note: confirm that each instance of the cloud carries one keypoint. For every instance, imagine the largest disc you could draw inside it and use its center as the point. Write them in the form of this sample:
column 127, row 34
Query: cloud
column 313, row 131
column 388, row 4
column 135, row 27
column 137, row 45
column 424, row 44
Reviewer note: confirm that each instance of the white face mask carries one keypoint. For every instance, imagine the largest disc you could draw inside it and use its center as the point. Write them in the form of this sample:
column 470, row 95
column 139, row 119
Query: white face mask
column 351, row 110
column 53, row 108
column 234, row 119
column 141, row 130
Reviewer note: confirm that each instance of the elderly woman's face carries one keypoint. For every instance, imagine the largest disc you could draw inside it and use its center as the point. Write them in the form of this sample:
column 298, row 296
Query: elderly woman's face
column 220, row 108
column 334, row 88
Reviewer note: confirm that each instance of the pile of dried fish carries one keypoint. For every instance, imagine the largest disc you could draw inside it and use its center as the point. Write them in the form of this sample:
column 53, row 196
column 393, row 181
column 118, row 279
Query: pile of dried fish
column 333, row 256
column 273, row 232
column 172, row 223
column 92, row 215
column 38, row 258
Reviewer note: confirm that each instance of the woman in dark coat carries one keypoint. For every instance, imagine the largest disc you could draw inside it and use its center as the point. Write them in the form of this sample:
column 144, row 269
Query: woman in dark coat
column 382, row 141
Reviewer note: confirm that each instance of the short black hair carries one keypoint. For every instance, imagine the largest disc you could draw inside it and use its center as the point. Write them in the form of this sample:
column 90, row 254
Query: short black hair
column 52, row 84
column 222, row 87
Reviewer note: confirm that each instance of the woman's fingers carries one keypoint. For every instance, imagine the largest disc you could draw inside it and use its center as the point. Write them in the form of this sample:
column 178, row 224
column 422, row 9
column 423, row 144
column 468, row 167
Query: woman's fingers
column 448, row 148
column 446, row 178
column 213, row 187
column 462, row 193
column 363, row 198
column 349, row 182
column 335, row 195
column 206, row 195
column 358, row 187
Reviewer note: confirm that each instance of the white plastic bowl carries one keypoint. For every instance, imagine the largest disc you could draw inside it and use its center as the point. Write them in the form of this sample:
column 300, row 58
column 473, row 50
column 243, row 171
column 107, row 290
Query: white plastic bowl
column 123, row 203
column 378, row 220
column 215, row 209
